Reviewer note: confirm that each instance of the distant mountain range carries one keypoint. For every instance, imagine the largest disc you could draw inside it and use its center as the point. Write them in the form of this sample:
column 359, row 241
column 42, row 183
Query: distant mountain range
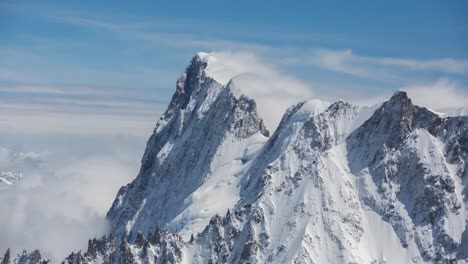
column 13, row 163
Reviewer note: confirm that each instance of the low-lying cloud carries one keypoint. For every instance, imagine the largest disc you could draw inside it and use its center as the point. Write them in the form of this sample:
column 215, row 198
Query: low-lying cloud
column 57, row 110
column 57, row 208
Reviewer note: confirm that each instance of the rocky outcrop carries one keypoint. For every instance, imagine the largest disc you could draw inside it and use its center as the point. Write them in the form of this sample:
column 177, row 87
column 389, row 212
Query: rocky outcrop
column 159, row 246
column 26, row 257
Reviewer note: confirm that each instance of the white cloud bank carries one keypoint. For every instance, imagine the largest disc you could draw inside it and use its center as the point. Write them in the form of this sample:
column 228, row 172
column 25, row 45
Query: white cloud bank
column 58, row 208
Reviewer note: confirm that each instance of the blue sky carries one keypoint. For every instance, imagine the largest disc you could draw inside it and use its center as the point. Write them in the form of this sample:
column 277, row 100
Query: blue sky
column 76, row 61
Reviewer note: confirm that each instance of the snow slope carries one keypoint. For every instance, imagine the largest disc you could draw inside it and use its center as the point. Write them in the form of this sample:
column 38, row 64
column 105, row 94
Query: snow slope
column 388, row 192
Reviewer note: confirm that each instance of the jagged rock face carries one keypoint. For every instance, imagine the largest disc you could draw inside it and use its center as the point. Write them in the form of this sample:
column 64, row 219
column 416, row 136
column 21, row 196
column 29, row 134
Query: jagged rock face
column 159, row 247
column 391, row 125
column 418, row 171
column 6, row 258
column 205, row 127
column 26, row 257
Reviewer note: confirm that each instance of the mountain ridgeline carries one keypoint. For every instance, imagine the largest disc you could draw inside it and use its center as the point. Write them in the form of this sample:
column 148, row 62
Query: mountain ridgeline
column 334, row 183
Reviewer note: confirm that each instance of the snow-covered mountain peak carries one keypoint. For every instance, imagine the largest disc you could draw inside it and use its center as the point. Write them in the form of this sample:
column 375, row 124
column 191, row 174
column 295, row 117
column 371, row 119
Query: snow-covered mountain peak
column 189, row 87
column 218, row 66
column 197, row 152
column 406, row 153
column 390, row 124
column 399, row 96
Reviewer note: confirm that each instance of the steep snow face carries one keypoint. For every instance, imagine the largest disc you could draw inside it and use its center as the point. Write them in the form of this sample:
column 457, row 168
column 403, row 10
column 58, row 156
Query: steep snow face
column 391, row 191
column 299, row 201
column 200, row 146
column 412, row 168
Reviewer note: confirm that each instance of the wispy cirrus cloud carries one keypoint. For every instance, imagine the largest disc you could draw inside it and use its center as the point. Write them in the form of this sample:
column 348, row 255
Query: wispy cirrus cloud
column 82, row 105
column 51, row 73
column 176, row 34
column 42, row 121
column 384, row 69
column 75, row 111
column 345, row 61
column 447, row 65
column 54, row 90
column 161, row 33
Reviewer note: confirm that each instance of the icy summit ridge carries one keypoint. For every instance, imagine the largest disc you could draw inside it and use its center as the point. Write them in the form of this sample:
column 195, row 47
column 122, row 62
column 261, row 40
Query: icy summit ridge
column 217, row 67
column 198, row 84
